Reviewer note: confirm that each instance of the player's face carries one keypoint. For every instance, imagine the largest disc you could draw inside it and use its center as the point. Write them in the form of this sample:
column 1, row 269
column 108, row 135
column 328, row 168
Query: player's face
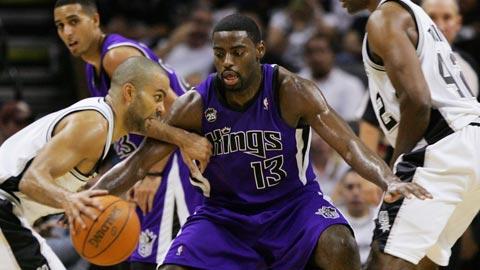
column 236, row 58
column 353, row 6
column 319, row 56
column 147, row 103
column 445, row 16
column 76, row 28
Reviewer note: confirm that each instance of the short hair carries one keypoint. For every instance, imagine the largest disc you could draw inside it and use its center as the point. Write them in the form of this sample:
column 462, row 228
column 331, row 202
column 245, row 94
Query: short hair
column 88, row 5
column 239, row 22
column 135, row 70
column 321, row 36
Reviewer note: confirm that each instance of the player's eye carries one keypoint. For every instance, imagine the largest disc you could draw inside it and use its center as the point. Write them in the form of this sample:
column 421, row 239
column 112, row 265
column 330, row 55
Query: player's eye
column 73, row 22
column 158, row 98
column 238, row 52
column 219, row 54
column 59, row 26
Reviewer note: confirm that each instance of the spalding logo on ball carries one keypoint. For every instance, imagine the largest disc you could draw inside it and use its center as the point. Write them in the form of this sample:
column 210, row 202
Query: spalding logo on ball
column 112, row 237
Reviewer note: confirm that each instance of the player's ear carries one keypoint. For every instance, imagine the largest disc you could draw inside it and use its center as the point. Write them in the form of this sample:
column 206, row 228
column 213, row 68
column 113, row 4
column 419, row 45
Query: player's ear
column 96, row 19
column 128, row 92
column 260, row 50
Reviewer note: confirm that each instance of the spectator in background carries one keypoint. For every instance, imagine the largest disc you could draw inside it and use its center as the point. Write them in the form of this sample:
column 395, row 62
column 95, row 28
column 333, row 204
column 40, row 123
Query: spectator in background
column 290, row 28
column 344, row 92
column 357, row 199
column 188, row 48
column 14, row 115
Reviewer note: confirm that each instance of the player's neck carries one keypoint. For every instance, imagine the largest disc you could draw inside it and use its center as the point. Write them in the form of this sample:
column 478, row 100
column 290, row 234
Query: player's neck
column 94, row 53
column 241, row 98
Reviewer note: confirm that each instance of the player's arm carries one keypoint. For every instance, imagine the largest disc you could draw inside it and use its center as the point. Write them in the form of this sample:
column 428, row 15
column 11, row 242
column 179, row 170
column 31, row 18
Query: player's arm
column 192, row 146
column 78, row 137
column 306, row 104
column 185, row 113
column 392, row 35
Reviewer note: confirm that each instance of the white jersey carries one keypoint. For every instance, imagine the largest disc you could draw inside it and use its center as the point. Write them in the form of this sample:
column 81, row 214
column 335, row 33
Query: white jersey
column 453, row 104
column 18, row 151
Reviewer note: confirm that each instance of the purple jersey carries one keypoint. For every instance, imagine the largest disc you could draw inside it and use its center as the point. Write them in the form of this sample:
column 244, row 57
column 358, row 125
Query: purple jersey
column 99, row 85
column 258, row 158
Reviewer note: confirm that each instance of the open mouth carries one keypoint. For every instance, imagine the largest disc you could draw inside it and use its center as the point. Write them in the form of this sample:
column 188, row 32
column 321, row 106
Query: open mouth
column 72, row 44
column 230, row 78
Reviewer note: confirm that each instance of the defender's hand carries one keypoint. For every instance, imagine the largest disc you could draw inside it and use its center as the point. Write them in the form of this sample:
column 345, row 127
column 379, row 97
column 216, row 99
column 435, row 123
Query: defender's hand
column 143, row 192
column 196, row 152
column 83, row 202
column 397, row 189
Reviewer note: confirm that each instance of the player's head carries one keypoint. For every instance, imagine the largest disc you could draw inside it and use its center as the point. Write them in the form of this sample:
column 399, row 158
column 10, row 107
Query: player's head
column 237, row 49
column 78, row 25
column 445, row 14
column 319, row 55
column 139, row 86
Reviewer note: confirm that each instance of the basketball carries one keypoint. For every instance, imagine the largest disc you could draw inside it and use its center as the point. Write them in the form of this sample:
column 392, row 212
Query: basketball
column 112, row 237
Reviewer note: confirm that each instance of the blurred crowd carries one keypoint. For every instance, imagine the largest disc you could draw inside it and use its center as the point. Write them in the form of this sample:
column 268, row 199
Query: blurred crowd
column 315, row 38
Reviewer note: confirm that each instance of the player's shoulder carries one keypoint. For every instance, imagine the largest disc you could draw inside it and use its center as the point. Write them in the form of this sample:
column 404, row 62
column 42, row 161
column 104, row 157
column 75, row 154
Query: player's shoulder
column 389, row 12
column 87, row 122
column 291, row 82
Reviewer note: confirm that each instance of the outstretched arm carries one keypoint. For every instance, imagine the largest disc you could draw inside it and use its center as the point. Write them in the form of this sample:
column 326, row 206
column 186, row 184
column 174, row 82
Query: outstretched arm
column 193, row 146
column 306, row 104
column 185, row 113
column 391, row 36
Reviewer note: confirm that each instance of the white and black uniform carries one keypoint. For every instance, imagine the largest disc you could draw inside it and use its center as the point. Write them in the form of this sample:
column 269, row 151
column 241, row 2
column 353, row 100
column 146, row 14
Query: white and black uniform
column 20, row 246
column 446, row 161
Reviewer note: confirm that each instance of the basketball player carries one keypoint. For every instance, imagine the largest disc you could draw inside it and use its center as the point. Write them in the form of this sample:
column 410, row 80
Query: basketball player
column 428, row 113
column 77, row 24
column 43, row 164
column 263, row 207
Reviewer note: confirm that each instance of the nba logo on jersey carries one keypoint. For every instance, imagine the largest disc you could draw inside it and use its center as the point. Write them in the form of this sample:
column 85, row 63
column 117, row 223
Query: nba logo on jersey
column 265, row 104
column 327, row 212
column 211, row 115
column 145, row 245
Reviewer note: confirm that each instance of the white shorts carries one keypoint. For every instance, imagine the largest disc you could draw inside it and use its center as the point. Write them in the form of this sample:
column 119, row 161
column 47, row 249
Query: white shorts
column 20, row 246
column 450, row 170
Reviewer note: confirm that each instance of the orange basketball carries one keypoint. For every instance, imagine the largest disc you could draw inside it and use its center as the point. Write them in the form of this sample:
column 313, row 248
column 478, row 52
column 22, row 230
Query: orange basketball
column 112, row 237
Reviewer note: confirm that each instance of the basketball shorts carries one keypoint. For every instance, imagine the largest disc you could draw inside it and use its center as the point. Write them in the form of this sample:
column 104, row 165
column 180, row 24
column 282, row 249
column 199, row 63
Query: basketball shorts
column 20, row 246
column 174, row 200
column 282, row 236
column 450, row 170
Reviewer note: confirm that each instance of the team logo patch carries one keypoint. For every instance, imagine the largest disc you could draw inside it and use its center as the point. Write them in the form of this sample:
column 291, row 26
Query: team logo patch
column 384, row 221
column 145, row 245
column 328, row 212
column 211, row 115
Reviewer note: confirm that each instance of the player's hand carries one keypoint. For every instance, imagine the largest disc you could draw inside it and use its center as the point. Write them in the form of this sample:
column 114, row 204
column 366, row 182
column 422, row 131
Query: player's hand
column 82, row 203
column 397, row 189
column 143, row 192
column 196, row 152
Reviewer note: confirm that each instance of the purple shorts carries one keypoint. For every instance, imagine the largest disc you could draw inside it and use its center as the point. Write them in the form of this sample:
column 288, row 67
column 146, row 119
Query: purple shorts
column 282, row 236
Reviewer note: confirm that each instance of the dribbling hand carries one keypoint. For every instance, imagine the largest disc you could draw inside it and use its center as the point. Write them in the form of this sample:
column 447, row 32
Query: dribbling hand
column 82, row 203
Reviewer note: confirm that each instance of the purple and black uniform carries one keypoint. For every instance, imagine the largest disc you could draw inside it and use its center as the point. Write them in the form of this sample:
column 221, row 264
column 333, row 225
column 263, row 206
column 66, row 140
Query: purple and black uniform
column 265, row 210
column 175, row 191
